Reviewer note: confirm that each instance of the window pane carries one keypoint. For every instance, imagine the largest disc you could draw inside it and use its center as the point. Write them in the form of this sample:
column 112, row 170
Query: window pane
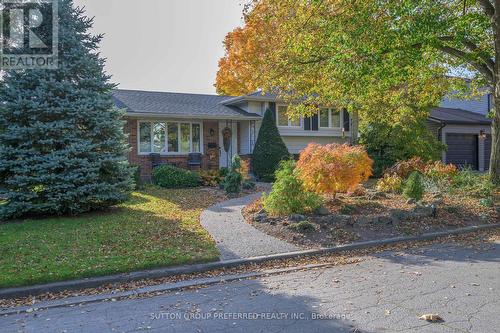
column 282, row 117
column 336, row 119
column 145, row 138
column 173, row 137
column 196, row 138
column 295, row 122
column 185, row 136
column 159, row 137
column 323, row 118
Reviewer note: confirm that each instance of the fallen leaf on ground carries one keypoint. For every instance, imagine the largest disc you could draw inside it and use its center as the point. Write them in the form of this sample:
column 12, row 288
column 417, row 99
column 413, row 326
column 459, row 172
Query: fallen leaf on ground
column 431, row 317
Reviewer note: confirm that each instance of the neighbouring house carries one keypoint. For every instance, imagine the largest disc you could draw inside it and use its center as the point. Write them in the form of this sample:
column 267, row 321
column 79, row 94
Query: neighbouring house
column 175, row 127
column 178, row 128
column 463, row 127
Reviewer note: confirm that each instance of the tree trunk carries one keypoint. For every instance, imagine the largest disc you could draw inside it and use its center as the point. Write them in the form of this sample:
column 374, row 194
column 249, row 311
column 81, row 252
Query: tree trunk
column 495, row 127
column 495, row 136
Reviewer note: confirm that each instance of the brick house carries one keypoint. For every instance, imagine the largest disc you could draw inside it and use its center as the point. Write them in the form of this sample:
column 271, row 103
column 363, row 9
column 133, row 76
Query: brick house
column 171, row 127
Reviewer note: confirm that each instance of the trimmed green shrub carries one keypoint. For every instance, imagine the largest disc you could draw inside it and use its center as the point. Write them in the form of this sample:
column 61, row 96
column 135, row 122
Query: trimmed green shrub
column 233, row 180
column 269, row 149
column 169, row 176
column 303, row 226
column 288, row 195
column 414, row 187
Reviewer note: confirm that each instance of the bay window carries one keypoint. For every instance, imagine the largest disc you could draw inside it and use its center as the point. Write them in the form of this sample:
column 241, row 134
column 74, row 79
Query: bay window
column 169, row 137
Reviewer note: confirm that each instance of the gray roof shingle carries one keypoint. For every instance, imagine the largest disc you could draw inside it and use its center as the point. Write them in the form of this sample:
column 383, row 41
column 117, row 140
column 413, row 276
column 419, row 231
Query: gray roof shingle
column 459, row 116
column 178, row 104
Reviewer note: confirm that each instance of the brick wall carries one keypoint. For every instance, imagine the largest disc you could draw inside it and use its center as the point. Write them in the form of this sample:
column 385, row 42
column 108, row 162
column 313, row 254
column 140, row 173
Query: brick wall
column 210, row 159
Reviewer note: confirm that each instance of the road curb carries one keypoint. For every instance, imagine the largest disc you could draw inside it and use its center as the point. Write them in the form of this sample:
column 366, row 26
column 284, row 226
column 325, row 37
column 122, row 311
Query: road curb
column 199, row 268
column 161, row 288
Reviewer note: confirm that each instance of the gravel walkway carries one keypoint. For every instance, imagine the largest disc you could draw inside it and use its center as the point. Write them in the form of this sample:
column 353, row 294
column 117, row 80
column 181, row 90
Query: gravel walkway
column 235, row 238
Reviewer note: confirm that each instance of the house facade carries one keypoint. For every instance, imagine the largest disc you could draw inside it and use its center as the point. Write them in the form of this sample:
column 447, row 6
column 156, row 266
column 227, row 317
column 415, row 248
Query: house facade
column 172, row 127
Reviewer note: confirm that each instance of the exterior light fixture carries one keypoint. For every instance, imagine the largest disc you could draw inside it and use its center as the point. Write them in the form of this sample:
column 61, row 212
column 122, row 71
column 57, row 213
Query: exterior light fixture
column 482, row 134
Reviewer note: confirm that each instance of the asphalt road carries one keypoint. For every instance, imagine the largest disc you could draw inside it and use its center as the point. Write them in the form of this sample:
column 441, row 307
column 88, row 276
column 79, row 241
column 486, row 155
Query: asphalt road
column 386, row 293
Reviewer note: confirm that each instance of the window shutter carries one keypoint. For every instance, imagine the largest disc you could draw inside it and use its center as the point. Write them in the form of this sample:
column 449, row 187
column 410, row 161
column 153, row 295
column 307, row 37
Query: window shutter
column 315, row 122
column 347, row 122
column 307, row 123
column 272, row 107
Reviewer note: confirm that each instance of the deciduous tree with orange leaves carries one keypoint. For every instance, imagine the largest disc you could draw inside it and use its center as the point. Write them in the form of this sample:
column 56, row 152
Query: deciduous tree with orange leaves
column 242, row 67
column 333, row 168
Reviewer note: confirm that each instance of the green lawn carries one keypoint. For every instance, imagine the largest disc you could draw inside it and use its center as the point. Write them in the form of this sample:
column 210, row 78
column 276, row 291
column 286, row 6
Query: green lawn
column 157, row 227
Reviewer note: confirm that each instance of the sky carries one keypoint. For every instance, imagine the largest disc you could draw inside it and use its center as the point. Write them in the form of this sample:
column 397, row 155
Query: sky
column 163, row 45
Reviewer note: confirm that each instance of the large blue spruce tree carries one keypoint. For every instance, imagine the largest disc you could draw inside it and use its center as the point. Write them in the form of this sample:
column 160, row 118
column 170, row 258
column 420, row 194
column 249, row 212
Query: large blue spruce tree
column 62, row 146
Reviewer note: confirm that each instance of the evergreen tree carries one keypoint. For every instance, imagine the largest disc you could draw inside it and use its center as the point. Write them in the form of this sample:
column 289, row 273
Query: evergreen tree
column 62, row 147
column 269, row 149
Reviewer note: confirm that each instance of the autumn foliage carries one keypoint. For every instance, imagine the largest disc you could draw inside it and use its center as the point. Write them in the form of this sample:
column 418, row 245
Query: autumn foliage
column 333, row 168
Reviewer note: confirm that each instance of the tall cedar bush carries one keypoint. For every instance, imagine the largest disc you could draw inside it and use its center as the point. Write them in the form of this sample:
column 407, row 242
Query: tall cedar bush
column 333, row 168
column 269, row 149
column 62, row 146
column 288, row 195
column 414, row 187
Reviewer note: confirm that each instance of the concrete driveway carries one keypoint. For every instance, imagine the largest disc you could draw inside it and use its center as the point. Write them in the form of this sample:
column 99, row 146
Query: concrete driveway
column 384, row 293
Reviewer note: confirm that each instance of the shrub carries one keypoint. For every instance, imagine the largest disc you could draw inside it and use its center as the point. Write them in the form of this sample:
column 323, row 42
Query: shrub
column 404, row 168
column 211, row 178
column 387, row 143
column 414, row 187
column 269, row 149
column 245, row 170
column 137, row 176
column 390, row 183
column 439, row 171
column 303, row 226
column 333, row 168
column 472, row 184
column 288, row 195
column 233, row 180
column 223, row 172
column 486, row 202
column 173, row 177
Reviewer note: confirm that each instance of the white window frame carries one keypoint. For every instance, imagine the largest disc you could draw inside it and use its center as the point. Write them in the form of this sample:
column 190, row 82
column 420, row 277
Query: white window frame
column 167, row 153
column 330, row 117
column 301, row 120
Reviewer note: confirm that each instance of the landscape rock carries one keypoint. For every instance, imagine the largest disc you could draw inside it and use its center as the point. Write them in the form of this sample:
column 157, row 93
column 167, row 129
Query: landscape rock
column 422, row 211
column 260, row 217
column 296, row 218
column 322, row 210
column 410, row 201
column 399, row 214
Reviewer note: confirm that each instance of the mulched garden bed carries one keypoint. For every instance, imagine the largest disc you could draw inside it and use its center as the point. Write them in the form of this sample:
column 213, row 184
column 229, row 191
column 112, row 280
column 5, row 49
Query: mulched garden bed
column 373, row 215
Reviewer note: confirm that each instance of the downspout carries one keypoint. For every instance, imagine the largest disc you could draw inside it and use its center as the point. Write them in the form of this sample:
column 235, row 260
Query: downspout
column 440, row 138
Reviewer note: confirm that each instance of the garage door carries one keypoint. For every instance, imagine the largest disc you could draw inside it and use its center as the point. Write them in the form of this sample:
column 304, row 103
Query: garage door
column 487, row 152
column 462, row 150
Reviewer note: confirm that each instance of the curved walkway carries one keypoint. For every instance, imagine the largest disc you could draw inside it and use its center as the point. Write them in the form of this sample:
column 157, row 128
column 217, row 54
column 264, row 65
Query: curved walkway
column 236, row 238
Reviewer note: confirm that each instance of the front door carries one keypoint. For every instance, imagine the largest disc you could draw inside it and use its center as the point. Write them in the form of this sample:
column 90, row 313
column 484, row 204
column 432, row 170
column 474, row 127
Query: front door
column 228, row 142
